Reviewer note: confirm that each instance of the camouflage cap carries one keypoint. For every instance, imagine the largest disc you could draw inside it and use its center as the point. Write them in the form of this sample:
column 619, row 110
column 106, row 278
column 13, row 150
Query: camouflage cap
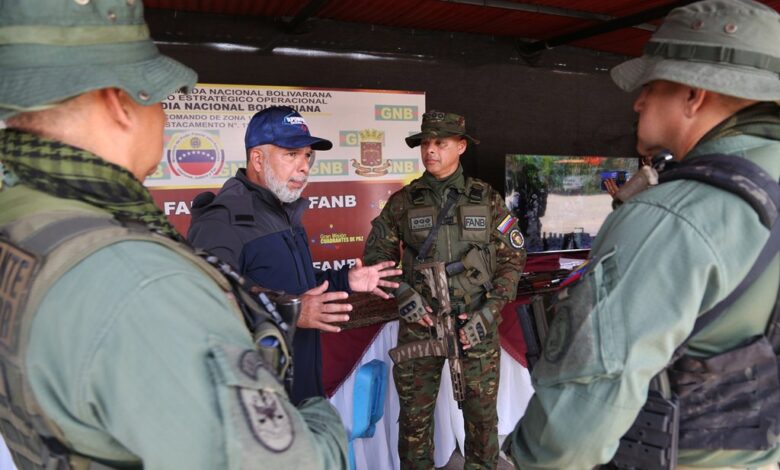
column 51, row 51
column 438, row 124
column 730, row 47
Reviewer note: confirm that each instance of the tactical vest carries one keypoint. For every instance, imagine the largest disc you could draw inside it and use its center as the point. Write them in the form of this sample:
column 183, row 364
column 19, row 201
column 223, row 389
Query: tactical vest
column 35, row 251
column 462, row 241
column 731, row 400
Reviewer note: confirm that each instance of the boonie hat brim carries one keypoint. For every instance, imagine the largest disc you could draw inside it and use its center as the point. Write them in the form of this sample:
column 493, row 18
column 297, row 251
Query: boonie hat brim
column 742, row 82
column 414, row 140
column 147, row 81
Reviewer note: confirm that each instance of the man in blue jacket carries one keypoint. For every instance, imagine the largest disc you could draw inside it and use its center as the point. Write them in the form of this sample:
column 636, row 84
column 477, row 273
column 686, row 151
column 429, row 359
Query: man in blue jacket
column 254, row 223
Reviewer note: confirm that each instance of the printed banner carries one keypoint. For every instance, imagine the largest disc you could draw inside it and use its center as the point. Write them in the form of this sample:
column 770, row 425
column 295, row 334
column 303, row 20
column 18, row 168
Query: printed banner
column 348, row 185
column 338, row 219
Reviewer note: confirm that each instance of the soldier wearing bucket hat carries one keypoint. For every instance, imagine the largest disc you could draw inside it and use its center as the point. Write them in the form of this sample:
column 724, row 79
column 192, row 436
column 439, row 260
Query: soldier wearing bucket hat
column 120, row 347
column 436, row 124
column 447, row 217
column 663, row 352
column 255, row 224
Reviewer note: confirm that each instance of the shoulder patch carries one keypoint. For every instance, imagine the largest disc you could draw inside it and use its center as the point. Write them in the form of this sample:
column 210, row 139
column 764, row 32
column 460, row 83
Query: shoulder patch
column 270, row 424
column 506, row 224
column 577, row 273
column 516, row 239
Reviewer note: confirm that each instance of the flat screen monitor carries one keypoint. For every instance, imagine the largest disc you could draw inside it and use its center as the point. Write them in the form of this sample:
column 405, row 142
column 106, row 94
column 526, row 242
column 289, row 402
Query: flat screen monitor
column 561, row 201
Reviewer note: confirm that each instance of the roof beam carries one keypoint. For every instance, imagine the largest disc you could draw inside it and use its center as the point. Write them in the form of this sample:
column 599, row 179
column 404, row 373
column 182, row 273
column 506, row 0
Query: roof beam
column 528, row 50
column 546, row 10
column 306, row 12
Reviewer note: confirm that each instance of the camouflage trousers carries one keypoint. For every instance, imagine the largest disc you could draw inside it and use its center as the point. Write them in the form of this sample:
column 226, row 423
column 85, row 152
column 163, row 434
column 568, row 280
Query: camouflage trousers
column 417, row 382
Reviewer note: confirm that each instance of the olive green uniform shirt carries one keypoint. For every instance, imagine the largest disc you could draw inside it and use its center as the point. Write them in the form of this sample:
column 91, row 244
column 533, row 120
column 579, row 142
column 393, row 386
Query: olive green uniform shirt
column 660, row 260
column 136, row 354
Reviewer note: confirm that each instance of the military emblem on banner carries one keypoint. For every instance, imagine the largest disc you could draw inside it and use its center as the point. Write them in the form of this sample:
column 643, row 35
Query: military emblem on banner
column 370, row 163
column 195, row 154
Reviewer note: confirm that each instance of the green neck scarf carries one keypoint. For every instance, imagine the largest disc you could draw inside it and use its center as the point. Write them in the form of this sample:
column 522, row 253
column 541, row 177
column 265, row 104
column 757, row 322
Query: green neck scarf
column 67, row 172
column 759, row 120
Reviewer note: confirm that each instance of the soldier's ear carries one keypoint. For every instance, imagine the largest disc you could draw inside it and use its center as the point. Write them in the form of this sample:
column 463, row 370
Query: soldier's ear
column 694, row 100
column 462, row 146
column 118, row 105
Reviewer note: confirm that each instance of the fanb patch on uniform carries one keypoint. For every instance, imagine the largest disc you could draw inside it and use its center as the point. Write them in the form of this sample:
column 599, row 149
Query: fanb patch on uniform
column 421, row 223
column 17, row 269
column 475, row 222
column 270, row 424
column 516, row 239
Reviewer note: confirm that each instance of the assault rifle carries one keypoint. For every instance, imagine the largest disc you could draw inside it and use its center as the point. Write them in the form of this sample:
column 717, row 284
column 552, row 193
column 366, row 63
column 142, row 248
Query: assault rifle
column 537, row 283
column 446, row 342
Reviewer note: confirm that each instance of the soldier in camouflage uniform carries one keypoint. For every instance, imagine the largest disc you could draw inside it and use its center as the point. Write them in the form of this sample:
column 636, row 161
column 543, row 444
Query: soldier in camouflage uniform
column 484, row 253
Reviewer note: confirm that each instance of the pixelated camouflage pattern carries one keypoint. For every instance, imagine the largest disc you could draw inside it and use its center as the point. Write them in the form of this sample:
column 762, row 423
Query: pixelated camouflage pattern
column 417, row 381
column 384, row 242
column 437, row 120
column 436, row 124
column 447, row 339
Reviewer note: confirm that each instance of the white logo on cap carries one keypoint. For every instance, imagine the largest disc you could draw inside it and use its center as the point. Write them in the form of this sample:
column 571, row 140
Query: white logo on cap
column 294, row 120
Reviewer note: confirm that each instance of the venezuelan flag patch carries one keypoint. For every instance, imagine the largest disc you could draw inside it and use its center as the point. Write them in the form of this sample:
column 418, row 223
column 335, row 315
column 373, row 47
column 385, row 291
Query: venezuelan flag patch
column 576, row 274
column 506, row 224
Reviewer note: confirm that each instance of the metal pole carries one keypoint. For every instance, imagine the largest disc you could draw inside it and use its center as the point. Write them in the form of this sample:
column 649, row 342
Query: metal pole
column 529, row 49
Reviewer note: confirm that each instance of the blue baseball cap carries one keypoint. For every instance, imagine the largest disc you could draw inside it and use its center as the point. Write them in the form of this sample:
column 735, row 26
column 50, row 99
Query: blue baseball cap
column 284, row 127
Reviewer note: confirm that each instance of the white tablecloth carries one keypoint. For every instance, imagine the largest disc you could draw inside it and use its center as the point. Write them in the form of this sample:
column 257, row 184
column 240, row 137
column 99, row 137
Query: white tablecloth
column 6, row 463
column 380, row 452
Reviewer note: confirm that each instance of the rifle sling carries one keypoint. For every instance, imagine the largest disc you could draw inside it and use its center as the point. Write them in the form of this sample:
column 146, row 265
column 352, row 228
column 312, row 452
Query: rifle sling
column 452, row 196
column 417, row 349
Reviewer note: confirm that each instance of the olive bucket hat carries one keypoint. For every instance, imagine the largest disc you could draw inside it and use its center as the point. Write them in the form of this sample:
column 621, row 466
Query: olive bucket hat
column 730, row 47
column 438, row 124
column 54, row 50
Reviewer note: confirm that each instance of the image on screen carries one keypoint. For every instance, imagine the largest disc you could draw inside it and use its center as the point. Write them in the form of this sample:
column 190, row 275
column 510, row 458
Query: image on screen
column 561, row 201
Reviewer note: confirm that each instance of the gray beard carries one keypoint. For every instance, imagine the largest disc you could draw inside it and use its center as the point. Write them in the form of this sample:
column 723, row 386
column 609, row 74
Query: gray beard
column 279, row 187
